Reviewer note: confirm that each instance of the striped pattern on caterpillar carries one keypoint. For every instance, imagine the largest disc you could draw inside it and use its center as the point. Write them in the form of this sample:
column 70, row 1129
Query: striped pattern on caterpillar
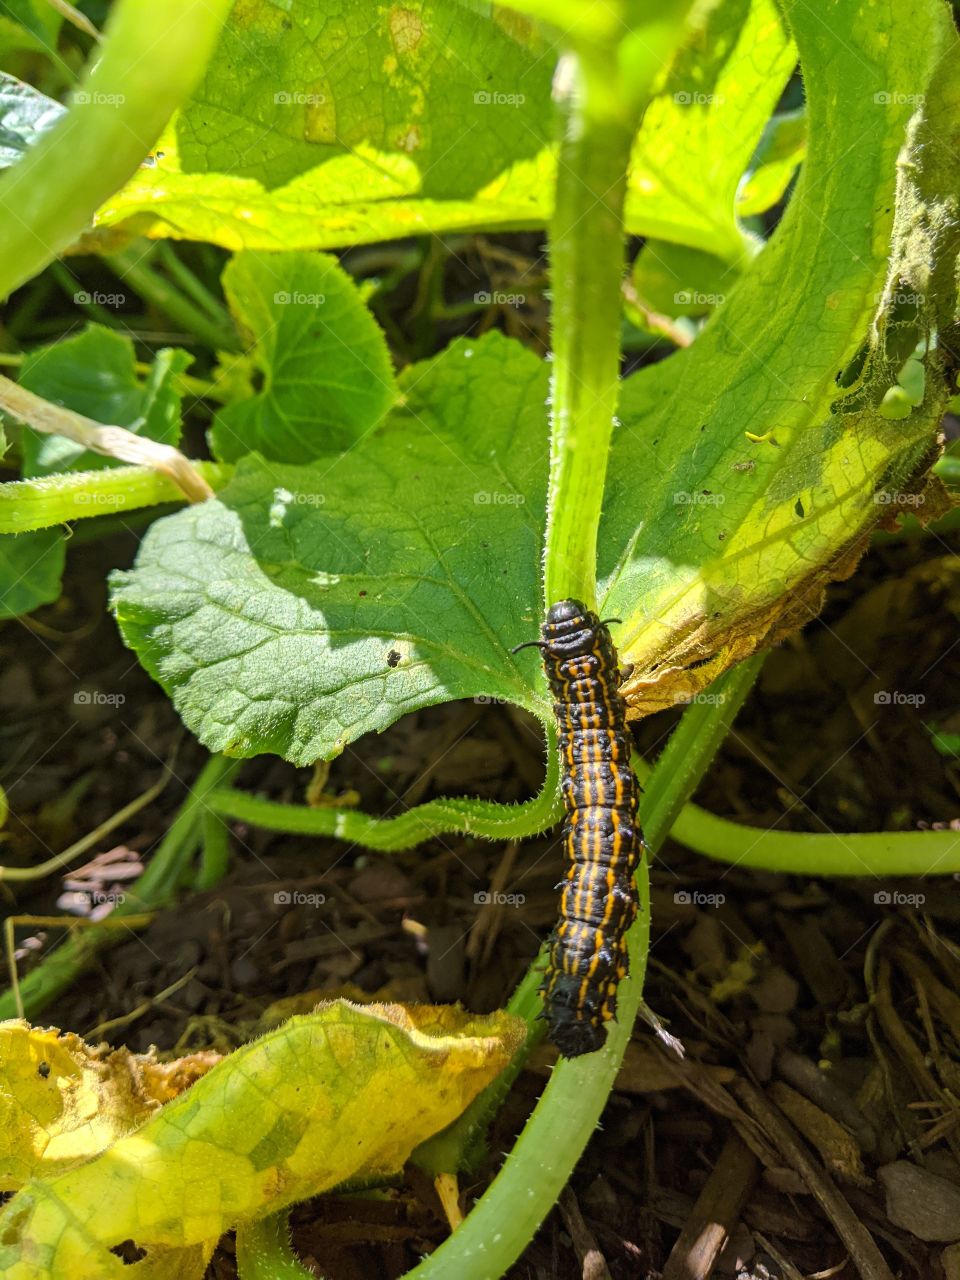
column 602, row 839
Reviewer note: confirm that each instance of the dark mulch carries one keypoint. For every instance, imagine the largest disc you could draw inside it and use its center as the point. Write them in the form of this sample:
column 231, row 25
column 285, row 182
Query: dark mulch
column 820, row 1019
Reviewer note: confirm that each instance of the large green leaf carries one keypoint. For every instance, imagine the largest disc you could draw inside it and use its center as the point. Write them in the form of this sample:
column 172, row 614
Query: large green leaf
column 452, row 129
column 762, row 464
column 327, row 376
column 305, row 606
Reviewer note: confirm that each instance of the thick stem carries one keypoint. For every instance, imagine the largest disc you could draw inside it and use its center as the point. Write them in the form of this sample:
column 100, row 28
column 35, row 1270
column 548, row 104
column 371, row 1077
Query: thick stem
column 264, row 1251
column 152, row 57
column 839, row 853
column 27, row 505
column 587, row 262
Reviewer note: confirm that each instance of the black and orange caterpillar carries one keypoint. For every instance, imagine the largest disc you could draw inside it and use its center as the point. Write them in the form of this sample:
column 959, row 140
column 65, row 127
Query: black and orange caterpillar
column 601, row 835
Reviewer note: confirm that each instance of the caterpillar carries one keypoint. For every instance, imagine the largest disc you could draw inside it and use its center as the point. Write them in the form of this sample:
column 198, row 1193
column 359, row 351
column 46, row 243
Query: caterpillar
column 602, row 839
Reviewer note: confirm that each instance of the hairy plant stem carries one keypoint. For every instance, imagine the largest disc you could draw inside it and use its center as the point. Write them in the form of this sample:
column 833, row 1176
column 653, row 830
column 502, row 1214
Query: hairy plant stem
column 26, row 505
column 407, row 830
column 587, row 262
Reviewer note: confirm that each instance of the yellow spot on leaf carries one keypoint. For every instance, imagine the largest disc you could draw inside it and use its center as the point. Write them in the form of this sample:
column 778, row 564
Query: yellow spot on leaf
column 320, row 117
column 406, row 29
column 410, row 140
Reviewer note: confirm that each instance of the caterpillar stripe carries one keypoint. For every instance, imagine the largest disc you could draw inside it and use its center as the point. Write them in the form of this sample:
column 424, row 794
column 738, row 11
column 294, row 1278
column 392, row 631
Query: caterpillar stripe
column 602, row 840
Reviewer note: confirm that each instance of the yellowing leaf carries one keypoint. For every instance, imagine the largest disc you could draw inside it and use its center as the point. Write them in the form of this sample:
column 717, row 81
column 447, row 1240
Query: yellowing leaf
column 455, row 131
column 63, row 1101
column 342, row 1093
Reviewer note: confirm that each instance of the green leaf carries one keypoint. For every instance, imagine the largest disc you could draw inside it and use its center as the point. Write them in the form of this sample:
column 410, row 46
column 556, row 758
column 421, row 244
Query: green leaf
column 25, row 115
column 327, row 375
column 948, row 744
column 304, row 606
column 676, row 281
column 454, row 130
column 95, row 374
column 781, row 150
column 279, row 149
column 762, row 465
column 699, row 135
column 38, row 17
column 31, row 566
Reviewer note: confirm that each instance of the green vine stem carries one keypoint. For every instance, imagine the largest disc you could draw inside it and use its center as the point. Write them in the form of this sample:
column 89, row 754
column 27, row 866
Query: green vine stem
column 891, row 853
column 882, row 853
column 264, row 1251
column 151, row 58
column 26, row 505
column 587, row 263
column 504, row 1219
column 393, row 835
column 603, row 90
column 154, row 888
